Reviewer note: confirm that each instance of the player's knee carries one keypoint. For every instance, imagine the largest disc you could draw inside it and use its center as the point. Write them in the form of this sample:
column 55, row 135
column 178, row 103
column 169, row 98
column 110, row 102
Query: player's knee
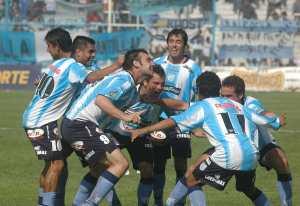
column 281, row 164
column 146, row 169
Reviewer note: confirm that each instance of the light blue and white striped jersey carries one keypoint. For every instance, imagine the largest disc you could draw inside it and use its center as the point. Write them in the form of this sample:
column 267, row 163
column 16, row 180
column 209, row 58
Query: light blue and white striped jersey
column 180, row 80
column 121, row 127
column 222, row 120
column 121, row 90
column 263, row 135
column 54, row 92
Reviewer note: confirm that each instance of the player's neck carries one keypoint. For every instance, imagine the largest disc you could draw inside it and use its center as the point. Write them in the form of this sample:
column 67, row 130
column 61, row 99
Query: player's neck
column 177, row 60
column 65, row 54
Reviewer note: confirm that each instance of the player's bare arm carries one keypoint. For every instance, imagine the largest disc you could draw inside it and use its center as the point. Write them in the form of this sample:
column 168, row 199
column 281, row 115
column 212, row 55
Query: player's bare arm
column 106, row 105
column 101, row 73
column 167, row 123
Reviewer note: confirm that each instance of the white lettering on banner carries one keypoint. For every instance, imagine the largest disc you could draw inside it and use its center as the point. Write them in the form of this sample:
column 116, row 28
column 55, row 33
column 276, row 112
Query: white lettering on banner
column 255, row 38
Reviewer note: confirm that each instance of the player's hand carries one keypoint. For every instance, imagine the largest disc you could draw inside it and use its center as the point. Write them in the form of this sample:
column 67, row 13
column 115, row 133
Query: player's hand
column 134, row 117
column 282, row 119
column 135, row 133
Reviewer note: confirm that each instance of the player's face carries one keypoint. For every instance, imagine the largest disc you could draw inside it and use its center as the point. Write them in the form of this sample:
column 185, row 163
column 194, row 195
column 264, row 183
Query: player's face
column 85, row 55
column 175, row 46
column 53, row 50
column 154, row 86
column 145, row 63
column 230, row 93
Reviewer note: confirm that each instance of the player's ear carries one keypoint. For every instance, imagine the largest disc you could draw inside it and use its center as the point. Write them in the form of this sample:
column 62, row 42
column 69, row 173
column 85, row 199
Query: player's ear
column 136, row 63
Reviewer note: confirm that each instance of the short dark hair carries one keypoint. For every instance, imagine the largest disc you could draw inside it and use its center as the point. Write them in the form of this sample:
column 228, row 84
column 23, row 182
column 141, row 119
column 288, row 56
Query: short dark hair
column 177, row 32
column 157, row 69
column 81, row 41
column 236, row 82
column 208, row 84
column 61, row 38
column 130, row 56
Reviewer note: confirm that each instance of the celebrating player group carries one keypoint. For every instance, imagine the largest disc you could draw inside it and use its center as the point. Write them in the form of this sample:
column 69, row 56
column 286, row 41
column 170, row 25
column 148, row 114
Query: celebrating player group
column 152, row 108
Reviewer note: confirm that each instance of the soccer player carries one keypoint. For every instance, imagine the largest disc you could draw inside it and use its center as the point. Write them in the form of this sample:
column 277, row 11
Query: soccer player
column 140, row 151
column 181, row 74
column 271, row 154
column 107, row 98
column 51, row 99
column 234, row 152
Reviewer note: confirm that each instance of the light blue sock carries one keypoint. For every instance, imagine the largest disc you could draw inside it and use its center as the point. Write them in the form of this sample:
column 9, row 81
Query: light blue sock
column 261, row 200
column 180, row 191
column 40, row 198
column 285, row 192
column 144, row 191
column 85, row 189
column 112, row 198
column 104, row 184
column 197, row 196
column 49, row 198
column 158, row 188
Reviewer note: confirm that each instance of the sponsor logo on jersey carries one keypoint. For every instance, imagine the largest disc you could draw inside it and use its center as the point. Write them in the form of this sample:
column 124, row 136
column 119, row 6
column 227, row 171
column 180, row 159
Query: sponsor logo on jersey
column 172, row 89
column 54, row 69
column 34, row 133
column 227, row 106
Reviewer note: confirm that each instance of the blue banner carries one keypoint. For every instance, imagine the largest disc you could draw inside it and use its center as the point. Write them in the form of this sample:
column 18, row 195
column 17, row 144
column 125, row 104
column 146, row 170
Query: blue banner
column 18, row 76
column 251, row 25
column 110, row 45
column 255, row 52
column 149, row 7
column 17, row 47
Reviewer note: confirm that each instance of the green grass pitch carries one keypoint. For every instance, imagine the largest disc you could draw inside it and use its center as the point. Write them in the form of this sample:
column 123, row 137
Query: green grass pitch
column 19, row 168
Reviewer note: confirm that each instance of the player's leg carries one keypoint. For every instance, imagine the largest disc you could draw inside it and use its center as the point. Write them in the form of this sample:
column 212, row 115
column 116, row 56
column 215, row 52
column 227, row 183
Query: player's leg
column 184, row 185
column 145, row 186
column 275, row 158
column 245, row 182
column 141, row 155
column 42, row 180
column 195, row 193
column 161, row 153
column 118, row 165
column 181, row 151
column 88, row 183
column 48, row 147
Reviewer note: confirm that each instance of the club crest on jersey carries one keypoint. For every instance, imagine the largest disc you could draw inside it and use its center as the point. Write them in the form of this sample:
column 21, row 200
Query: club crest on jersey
column 113, row 94
column 34, row 133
